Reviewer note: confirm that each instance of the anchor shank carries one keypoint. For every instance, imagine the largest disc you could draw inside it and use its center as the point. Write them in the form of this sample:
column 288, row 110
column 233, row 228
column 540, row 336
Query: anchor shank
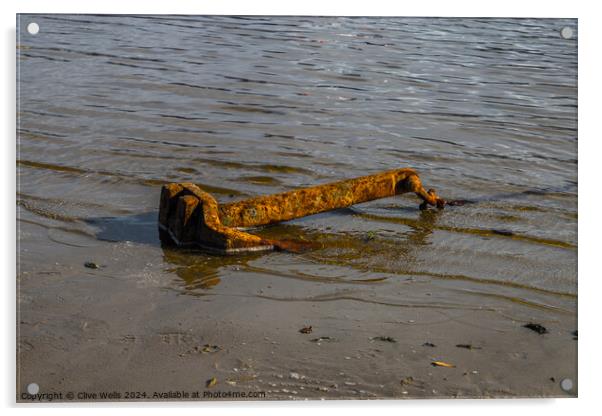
column 271, row 209
column 189, row 216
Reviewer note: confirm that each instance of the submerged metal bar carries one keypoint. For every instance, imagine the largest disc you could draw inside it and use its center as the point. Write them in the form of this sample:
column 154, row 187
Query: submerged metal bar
column 188, row 216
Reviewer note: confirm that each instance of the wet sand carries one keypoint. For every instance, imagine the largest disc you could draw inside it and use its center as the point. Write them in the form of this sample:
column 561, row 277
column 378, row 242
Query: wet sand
column 120, row 329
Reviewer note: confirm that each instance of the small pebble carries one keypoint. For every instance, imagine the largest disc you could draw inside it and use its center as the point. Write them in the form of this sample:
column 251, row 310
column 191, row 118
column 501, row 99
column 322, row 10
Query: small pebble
column 540, row 329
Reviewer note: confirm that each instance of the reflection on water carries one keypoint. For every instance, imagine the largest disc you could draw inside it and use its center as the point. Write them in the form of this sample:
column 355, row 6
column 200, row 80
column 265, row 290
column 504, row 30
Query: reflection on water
column 111, row 107
column 201, row 270
column 198, row 270
column 373, row 257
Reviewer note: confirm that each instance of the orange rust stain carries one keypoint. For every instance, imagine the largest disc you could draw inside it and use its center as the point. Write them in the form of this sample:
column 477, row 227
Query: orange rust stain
column 192, row 216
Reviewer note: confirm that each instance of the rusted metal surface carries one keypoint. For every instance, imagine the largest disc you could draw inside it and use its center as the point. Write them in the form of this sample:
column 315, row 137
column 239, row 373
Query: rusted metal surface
column 189, row 216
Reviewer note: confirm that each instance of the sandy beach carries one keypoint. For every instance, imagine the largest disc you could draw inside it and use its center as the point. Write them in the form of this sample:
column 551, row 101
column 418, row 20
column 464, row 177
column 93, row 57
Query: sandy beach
column 111, row 333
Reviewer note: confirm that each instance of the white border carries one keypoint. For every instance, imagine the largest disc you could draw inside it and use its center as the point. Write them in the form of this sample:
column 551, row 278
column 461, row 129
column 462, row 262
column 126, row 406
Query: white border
column 589, row 217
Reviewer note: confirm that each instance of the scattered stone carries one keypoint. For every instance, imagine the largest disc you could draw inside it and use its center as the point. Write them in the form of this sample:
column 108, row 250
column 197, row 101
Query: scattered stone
column 468, row 346
column 91, row 265
column 536, row 327
column 295, row 376
column 429, row 344
column 407, row 381
column 383, row 338
column 306, row 330
column 209, row 348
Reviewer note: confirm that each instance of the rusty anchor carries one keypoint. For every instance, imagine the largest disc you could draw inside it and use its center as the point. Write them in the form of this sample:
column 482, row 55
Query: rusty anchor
column 191, row 217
